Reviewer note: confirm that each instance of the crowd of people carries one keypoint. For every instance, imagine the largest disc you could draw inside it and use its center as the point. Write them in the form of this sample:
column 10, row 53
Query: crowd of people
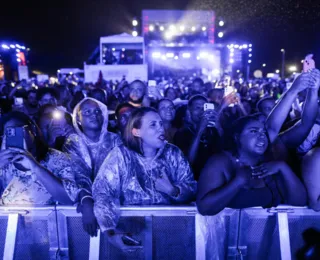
column 102, row 145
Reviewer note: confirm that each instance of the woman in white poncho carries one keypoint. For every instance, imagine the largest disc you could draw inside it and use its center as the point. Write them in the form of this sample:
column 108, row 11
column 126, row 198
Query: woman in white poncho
column 89, row 147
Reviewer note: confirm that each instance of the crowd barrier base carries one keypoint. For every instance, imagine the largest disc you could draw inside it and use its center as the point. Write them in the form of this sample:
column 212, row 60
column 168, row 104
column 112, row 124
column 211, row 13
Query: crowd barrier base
column 166, row 233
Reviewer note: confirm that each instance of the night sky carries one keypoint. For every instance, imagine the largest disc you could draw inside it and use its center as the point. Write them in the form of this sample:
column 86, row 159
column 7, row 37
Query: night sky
column 64, row 33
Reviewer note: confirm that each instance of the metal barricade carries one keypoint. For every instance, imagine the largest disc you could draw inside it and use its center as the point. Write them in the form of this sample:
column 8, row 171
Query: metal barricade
column 159, row 228
column 166, row 233
column 30, row 233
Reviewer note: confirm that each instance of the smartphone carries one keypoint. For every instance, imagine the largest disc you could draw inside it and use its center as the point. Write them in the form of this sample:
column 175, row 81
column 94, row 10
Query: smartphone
column 15, row 137
column 18, row 101
column 57, row 117
column 152, row 83
column 228, row 90
column 129, row 241
column 208, row 106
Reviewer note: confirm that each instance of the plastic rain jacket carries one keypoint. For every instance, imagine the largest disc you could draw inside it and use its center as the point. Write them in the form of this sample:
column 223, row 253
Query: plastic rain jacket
column 90, row 155
column 126, row 178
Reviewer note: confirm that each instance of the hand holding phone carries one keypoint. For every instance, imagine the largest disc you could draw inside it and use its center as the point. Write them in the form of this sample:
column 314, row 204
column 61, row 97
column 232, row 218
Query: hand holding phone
column 206, row 107
column 228, row 90
column 308, row 63
column 14, row 137
column 18, row 101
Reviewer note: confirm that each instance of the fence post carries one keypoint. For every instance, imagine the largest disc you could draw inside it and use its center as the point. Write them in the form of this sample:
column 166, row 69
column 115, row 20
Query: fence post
column 11, row 235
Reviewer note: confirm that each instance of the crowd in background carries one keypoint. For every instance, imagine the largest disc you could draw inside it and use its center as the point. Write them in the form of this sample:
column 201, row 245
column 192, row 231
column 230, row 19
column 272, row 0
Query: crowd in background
column 220, row 144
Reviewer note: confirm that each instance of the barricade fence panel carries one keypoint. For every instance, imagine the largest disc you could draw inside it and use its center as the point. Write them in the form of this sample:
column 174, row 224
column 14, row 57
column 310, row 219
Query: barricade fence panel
column 258, row 236
column 32, row 236
column 165, row 233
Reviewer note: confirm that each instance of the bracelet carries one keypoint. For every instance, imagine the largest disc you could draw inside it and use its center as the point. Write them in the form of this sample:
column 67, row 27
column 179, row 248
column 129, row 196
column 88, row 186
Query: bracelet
column 84, row 197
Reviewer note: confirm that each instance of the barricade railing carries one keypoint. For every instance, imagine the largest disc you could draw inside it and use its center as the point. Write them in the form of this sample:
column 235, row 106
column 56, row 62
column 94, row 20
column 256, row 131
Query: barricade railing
column 166, row 232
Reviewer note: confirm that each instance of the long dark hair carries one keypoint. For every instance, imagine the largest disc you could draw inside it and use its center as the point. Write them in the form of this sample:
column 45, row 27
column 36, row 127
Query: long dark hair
column 135, row 121
column 41, row 146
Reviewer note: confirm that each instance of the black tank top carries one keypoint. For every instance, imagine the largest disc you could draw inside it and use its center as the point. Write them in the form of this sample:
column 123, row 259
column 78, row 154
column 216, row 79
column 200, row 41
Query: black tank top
column 266, row 197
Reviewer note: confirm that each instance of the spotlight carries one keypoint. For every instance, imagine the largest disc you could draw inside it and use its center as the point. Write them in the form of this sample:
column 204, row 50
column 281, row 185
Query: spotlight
column 168, row 35
column 134, row 22
column 170, row 55
column 12, row 46
column 231, row 61
column 221, row 23
column 182, row 28
column 161, row 28
column 204, row 28
column 193, row 28
column 151, row 28
column 186, row 55
column 172, row 28
column 134, row 33
column 293, row 68
column 277, row 71
column 220, row 34
column 156, row 55
column 203, row 55
column 249, row 61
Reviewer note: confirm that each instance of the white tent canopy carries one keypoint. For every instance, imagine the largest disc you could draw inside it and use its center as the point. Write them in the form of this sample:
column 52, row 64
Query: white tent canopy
column 121, row 38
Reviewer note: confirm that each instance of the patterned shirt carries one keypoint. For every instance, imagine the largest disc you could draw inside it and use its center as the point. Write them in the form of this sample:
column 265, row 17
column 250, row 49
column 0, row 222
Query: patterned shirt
column 22, row 188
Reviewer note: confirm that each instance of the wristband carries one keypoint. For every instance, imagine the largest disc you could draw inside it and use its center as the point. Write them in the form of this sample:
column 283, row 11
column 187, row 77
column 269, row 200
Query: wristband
column 84, row 197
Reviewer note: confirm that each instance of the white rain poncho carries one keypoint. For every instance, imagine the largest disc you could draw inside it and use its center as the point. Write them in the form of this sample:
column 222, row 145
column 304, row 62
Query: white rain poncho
column 90, row 155
column 126, row 178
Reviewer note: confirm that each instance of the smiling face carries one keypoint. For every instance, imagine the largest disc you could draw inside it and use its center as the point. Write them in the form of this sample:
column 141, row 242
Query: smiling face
column 90, row 116
column 253, row 139
column 152, row 131
column 166, row 110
